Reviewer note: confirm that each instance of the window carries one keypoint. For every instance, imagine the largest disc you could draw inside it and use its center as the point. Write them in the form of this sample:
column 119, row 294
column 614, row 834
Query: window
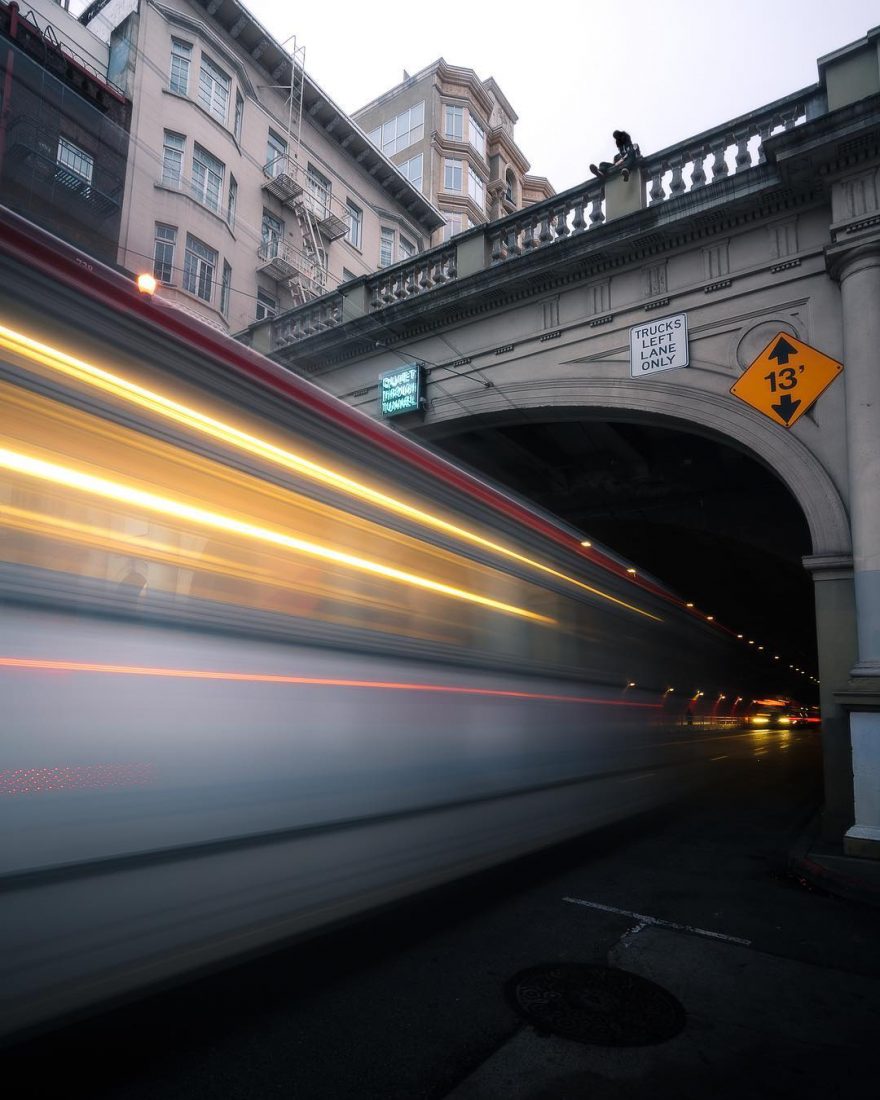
column 476, row 135
column 355, row 224
column 347, row 275
column 455, row 223
column 276, row 155
column 386, row 248
column 272, row 233
column 213, row 89
column 452, row 175
column 231, row 201
column 75, row 159
column 181, row 56
column 412, row 169
column 318, row 187
column 172, row 158
column 476, row 188
column 267, row 306
column 163, row 253
column 406, row 248
column 199, row 266
column 400, row 132
column 225, row 287
column 207, row 178
column 454, row 122
column 239, row 115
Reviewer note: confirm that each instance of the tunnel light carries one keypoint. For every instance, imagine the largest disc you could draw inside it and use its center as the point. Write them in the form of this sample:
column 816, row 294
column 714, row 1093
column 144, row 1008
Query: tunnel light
column 631, row 571
column 688, row 604
column 751, row 641
column 776, row 658
column 631, row 684
column 586, row 542
column 760, row 647
column 740, row 635
column 710, row 618
column 146, row 284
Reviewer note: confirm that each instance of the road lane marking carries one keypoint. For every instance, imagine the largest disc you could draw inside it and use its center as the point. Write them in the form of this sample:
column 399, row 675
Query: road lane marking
column 642, row 920
column 711, row 758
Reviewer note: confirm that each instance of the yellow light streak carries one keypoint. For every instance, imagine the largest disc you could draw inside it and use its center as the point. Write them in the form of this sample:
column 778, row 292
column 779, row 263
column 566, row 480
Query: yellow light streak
column 139, row 498
column 167, row 407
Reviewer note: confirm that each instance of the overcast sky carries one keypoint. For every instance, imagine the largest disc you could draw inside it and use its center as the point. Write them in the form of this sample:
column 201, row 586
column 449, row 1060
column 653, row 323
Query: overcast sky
column 663, row 70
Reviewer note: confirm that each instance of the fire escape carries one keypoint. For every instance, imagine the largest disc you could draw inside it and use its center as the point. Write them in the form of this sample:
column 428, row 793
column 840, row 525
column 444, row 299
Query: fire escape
column 302, row 271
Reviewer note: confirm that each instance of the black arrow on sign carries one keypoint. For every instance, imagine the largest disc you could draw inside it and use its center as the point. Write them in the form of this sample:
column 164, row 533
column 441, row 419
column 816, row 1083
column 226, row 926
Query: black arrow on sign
column 782, row 351
column 786, row 407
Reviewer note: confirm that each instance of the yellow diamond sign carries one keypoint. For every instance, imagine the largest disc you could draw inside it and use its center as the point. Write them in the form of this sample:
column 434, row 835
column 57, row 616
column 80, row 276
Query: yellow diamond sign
column 785, row 379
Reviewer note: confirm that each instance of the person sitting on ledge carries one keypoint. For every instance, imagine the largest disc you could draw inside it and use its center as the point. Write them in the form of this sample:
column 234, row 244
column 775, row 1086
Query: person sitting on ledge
column 627, row 156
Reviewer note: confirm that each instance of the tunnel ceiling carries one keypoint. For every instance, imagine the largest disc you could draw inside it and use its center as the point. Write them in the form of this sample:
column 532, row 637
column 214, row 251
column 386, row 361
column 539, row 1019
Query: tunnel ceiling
column 707, row 519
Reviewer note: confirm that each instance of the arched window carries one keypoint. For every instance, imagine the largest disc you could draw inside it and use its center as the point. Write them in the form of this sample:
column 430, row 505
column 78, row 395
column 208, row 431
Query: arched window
column 510, row 192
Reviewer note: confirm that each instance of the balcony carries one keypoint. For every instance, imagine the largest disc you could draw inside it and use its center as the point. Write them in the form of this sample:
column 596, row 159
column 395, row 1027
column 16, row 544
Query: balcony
column 285, row 264
column 281, row 179
column 332, row 227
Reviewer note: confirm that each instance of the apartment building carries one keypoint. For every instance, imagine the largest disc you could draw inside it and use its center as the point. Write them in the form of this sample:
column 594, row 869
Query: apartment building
column 64, row 129
column 452, row 135
column 242, row 187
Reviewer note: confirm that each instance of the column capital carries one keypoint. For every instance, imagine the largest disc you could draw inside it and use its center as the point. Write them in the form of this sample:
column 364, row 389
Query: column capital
column 845, row 259
column 829, row 567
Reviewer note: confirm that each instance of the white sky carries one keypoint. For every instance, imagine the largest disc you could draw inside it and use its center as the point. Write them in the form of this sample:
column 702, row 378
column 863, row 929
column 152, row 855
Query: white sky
column 661, row 69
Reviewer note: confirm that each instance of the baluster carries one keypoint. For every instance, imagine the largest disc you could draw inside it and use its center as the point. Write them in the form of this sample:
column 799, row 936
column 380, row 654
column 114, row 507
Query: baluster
column 512, row 241
column 386, row 293
column 719, row 163
column 336, row 313
column 743, row 153
column 561, row 227
column 657, row 192
column 698, row 175
column 497, row 248
column 451, row 262
column 439, row 276
column 399, row 288
column 411, row 286
column 764, row 132
column 597, row 214
column 677, row 185
column 425, row 277
column 375, row 300
column 545, row 235
column 529, row 242
column 789, row 117
column 579, row 223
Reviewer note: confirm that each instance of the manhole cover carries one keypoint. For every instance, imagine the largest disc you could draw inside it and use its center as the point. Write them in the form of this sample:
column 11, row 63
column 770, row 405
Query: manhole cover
column 595, row 1004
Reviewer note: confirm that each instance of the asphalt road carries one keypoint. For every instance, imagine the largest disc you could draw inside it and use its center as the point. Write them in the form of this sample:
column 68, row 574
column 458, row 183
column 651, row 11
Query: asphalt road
column 410, row 1004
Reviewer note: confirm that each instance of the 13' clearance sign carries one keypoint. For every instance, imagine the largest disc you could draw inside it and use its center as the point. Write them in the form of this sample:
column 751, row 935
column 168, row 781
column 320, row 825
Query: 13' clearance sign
column 785, row 379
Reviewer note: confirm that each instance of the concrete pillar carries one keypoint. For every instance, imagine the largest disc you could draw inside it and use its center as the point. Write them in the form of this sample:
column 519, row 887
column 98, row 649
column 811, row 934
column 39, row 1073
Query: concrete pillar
column 836, row 640
column 858, row 270
column 624, row 197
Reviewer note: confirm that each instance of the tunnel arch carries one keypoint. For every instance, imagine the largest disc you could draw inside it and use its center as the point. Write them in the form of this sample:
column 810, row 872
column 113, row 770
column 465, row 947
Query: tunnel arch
column 725, row 420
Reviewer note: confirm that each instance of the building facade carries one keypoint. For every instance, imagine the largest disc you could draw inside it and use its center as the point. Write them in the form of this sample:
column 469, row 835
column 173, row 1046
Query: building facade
column 64, row 129
column 451, row 135
column 241, row 185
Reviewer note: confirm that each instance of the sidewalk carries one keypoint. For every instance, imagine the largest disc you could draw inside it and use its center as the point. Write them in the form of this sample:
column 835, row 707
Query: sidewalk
column 823, row 864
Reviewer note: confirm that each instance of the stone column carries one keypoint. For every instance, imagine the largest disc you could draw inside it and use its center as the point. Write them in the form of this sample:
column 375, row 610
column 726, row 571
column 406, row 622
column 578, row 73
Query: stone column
column 857, row 267
column 858, row 271
column 836, row 641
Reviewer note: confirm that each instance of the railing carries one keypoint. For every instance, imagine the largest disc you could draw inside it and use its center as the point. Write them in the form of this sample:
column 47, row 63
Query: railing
column 733, row 147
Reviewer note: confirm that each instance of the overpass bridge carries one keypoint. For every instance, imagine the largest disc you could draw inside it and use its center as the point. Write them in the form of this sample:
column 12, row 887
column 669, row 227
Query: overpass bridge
column 768, row 224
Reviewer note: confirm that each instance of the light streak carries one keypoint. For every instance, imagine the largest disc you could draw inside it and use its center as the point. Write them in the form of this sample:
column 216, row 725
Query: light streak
column 126, row 390
column 102, row 487
column 37, row 665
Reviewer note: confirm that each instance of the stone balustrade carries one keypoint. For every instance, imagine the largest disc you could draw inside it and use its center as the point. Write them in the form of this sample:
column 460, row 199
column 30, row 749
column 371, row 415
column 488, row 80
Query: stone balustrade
column 700, row 161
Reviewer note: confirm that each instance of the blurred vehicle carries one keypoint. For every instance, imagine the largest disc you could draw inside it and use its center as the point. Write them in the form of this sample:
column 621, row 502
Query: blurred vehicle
column 775, row 713
column 267, row 663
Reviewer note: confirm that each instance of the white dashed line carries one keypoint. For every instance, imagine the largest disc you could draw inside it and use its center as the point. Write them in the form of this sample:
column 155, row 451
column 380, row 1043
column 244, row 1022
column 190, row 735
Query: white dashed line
column 643, row 920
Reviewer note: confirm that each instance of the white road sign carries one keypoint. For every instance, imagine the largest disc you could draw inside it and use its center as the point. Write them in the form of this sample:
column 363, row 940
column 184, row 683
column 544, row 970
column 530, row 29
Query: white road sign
column 658, row 345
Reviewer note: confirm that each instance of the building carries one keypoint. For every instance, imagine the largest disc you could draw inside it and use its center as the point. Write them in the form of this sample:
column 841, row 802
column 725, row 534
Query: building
column 242, row 186
column 64, row 128
column 451, row 134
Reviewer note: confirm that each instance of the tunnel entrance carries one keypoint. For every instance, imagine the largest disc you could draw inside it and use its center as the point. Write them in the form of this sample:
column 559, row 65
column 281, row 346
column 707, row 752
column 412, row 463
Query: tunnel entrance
column 701, row 514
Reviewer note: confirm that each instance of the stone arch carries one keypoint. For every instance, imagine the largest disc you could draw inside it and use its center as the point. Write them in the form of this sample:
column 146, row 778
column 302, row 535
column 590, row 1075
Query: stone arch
column 717, row 414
